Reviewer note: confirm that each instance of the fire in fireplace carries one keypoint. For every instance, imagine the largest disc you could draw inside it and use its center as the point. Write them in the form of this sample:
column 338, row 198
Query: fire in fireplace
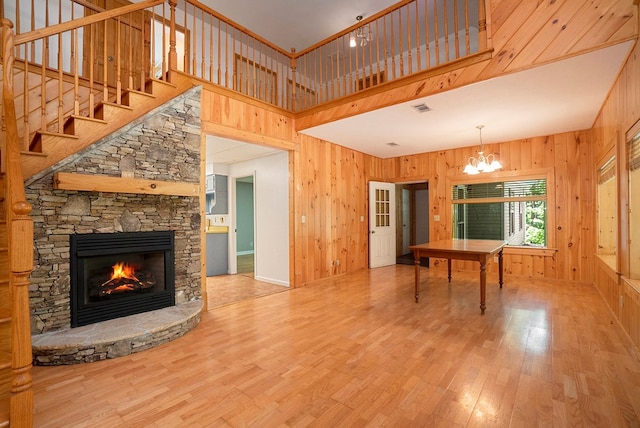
column 119, row 274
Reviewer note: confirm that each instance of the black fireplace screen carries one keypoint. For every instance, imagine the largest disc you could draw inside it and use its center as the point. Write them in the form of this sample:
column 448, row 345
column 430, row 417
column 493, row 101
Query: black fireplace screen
column 119, row 274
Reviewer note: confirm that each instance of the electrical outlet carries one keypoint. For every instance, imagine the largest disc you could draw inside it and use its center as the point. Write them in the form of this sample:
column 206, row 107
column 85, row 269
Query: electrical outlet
column 337, row 262
column 495, row 260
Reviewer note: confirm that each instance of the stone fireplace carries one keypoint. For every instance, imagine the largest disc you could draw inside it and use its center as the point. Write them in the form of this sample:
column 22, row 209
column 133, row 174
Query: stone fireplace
column 162, row 145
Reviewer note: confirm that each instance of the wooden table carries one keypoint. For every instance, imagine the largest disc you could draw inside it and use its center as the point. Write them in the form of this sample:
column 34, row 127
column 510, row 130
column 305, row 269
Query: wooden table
column 461, row 249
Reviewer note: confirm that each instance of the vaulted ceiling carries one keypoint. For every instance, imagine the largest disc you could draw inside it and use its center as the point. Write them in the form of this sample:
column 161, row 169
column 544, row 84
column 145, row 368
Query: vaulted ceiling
column 557, row 97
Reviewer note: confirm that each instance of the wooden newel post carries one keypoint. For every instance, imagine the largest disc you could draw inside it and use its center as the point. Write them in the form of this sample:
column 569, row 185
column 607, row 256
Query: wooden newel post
column 173, row 54
column 482, row 25
column 294, row 93
column 20, row 266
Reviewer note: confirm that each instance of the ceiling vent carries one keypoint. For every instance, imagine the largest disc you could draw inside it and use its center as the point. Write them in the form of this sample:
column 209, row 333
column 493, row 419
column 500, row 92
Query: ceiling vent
column 421, row 108
column 392, row 144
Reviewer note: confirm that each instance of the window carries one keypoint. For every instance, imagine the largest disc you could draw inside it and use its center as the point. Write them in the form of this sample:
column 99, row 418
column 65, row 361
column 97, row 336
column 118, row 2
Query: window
column 633, row 148
column 607, row 214
column 489, row 211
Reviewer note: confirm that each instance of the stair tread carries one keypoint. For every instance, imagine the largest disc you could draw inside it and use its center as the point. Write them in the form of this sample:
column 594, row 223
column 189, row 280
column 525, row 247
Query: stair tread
column 57, row 134
column 24, row 152
column 5, row 315
column 164, row 82
column 107, row 103
column 5, row 360
column 89, row 119
column 146, row 94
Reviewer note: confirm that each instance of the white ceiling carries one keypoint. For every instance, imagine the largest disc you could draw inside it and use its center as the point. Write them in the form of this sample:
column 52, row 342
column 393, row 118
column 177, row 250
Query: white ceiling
column 297, row 23
column 559, row 97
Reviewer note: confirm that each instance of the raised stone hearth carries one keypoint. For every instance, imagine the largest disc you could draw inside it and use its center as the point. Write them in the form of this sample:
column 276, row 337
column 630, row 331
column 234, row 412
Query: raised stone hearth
column 163, row 145
column 117, row 337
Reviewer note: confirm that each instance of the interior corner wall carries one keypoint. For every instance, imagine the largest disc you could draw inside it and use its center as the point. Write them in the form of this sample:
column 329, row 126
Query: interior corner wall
column 620, row 111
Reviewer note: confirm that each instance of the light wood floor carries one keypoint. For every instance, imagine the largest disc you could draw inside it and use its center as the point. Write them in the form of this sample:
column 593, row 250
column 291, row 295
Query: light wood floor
column 227, row 289
column 356, row 350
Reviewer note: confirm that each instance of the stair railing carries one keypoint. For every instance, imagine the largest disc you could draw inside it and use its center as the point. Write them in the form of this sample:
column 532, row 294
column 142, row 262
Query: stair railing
column 79, row 64
column 20, row 240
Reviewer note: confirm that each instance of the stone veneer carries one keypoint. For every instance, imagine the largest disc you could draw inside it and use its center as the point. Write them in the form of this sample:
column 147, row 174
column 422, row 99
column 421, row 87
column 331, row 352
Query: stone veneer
column 162, row 145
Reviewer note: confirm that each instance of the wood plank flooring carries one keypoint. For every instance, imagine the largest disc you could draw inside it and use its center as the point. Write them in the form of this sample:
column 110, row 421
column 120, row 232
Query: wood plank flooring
column 356, row 350
column 227, row 289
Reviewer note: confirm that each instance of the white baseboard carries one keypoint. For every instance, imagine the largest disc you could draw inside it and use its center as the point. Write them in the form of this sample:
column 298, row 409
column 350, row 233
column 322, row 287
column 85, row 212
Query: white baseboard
column 272, row 281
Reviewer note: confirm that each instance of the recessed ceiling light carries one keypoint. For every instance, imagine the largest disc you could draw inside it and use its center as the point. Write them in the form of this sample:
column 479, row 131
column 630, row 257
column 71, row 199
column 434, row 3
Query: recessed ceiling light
column 392, row 144
column 421, row 108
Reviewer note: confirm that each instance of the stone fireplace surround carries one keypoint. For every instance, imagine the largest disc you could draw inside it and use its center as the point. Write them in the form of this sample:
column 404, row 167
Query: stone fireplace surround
column 162, row 145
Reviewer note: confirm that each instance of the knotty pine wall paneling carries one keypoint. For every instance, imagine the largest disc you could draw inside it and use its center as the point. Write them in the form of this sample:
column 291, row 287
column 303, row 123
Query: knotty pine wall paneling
column 523, row 34
column 329, row 186
column 331, row 193
column 568, row 155
column 619, row 112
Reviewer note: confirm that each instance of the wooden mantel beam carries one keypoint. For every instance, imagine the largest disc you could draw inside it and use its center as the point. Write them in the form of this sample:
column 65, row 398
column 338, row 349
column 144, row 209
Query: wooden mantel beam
column 104, row 183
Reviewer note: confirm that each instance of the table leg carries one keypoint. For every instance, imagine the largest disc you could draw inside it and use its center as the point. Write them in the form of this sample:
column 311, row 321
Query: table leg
column 483, row 284
column 500, row 266
column 416, row 256
column 449, row 268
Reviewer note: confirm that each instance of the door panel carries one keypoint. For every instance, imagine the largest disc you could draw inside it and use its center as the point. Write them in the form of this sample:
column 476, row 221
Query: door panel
column 382, row 224
column 123, row 39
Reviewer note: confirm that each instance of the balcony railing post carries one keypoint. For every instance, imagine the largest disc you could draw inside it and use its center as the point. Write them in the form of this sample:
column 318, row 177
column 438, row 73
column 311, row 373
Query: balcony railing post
column 482, row 25
column 294, row 95
column 173, row 55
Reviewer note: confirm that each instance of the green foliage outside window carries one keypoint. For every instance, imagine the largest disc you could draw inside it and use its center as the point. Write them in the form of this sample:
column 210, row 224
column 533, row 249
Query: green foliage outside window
column 536, row 214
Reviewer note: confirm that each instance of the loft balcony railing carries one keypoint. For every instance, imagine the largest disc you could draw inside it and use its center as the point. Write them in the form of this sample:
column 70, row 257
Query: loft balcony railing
column 71, row 55
column 408, row 38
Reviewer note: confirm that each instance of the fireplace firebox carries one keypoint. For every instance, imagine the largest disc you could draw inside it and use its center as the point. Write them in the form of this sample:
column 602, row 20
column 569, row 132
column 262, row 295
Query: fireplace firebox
column 118, row 274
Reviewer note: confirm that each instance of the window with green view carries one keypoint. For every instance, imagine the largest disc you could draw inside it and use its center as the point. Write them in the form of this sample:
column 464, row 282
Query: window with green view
column 512, row 211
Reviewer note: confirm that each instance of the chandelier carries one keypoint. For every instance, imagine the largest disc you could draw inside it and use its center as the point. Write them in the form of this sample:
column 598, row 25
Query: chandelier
column 362, row 36
column 483, row 163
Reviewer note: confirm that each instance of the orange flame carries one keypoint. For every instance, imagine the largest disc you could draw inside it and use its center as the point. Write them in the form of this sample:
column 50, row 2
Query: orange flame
column 124, row 270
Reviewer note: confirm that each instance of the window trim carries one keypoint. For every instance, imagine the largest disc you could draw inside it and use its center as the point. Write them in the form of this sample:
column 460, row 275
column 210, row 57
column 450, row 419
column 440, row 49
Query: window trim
column 610, row 155
column 530, row 174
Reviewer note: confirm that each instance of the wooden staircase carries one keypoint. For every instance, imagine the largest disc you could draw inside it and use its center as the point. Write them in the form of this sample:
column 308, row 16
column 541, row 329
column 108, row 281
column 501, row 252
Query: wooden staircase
column 49, row 148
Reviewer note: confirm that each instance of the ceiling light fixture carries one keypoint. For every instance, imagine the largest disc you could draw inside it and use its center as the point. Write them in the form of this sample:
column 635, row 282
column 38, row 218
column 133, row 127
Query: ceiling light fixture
column 362, row 35
column 483, row 163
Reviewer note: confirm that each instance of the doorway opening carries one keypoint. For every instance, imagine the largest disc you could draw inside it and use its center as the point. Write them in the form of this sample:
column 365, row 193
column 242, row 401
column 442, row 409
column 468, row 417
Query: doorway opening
column 245, row 225
column 412, row 220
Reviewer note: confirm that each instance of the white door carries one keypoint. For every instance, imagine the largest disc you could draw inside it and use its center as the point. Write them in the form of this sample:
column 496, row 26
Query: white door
column 382, row 224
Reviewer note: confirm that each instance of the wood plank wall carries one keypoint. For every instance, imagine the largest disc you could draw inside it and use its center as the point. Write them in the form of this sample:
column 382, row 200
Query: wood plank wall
column 618, row 114
column 331, row 193
column 329, row 181
column 523, row 33
column 569, row 155
column 329, row 185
